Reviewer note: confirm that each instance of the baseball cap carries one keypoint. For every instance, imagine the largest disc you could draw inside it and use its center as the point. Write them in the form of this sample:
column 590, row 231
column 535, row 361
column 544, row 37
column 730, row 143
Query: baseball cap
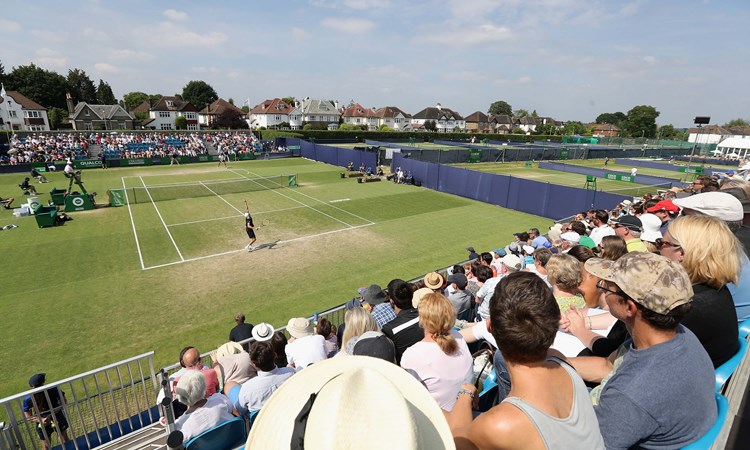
column 459, row 279
column 571, row 236
column 470, row 249
column 630, row 222
column 376, row 345
column 512, row 261
column 716, row 204
column 500, row 251
column 653, row 281
column 37, row 379
column 664, row 205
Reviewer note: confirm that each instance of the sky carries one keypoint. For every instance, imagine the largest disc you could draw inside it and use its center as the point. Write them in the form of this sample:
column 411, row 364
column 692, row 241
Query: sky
column 567, row 59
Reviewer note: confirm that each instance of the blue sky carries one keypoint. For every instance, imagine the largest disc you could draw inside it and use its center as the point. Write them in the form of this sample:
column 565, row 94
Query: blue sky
column 569, row 59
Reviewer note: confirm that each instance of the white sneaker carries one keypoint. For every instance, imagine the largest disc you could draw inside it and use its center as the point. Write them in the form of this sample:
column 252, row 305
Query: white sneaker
column 250, row 248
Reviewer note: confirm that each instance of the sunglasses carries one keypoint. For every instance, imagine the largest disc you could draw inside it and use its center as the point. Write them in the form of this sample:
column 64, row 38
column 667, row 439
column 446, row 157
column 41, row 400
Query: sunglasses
column 660, row 243
column 602, row 286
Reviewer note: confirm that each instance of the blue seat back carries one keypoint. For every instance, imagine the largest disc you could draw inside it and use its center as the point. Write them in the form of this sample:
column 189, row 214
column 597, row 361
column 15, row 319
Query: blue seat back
column 226, row 436
column 488, row 396
column 724, row 371
column 705, row 442
column 745, row 328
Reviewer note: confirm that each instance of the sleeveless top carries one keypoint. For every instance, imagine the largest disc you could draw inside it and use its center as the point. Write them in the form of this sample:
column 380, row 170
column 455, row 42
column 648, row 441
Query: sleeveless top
column 579, row 430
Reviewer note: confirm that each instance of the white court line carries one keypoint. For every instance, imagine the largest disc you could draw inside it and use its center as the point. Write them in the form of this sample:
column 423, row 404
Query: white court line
column 257, row 213
column 188, row 183
column 243, row 250
column 295, row 200
column 313, row 198
column 132, row 222
column 162, row 220
column 225, row 200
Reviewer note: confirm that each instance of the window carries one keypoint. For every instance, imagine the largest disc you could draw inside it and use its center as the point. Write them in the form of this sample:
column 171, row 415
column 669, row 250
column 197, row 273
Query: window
column 88, row 113
column 277, row 118
column 36, row 128
column 399, row 120
column 165, row 114
column 192, row 127
column 32, row 114
column 13, row 114
column 87, row 126
column 166, row 126
column 170, row 103
column 190, row 115
column 121, row 125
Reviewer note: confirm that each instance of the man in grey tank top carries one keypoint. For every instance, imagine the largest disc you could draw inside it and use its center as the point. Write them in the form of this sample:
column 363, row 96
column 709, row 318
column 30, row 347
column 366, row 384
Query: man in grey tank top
column 548, row 405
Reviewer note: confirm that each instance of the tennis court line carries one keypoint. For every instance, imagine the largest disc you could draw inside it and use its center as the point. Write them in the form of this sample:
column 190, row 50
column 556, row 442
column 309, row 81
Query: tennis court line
column 257, row 213
column 187, row 183
column 198, row 258
column 297, row 201
column 225, row 200
column 132, row 222
column 162, row 219
column 313, row 198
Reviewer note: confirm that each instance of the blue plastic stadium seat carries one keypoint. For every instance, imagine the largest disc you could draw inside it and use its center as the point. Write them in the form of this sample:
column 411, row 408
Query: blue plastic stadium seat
column 226, row 436
column 745, row 329
column 251, row 418
column 705, row 442
column 724, row 371
column 489, row 392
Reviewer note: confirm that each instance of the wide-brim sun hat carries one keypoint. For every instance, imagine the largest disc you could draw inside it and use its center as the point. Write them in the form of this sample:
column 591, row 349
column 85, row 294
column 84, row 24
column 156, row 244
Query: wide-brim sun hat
column 230, row 348
column 434, row 280
column 348, row 390
column 299, row 327
column 263, row 332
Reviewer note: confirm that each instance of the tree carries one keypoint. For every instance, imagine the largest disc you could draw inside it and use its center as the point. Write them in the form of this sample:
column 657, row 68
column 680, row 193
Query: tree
column 2, row 72
column 612, row 118
column 57, row 117
column 180, row 123
column 288, row 100
column 546, row 129
column 641, row 121
column 430, row 125
column 199, row 93
column 245, row 109
column 43, row 86
column 574, row 127
column 534, row 114
column 385, row 128
column 520, row 113
column 81, row 87
column 732, row 123
column 231, row 101
column 671, row 133
column 133, row 99
column 229, row 120
column 104, row 94
column 518, row 130
column 499, row 108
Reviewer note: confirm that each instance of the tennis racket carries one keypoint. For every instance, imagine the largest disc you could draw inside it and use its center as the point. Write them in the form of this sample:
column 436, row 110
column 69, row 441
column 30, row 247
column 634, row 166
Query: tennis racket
column 264, row 223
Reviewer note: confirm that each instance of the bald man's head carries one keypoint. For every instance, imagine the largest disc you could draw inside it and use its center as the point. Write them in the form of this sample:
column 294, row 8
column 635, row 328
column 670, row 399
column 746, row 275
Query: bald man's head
column 191, row 357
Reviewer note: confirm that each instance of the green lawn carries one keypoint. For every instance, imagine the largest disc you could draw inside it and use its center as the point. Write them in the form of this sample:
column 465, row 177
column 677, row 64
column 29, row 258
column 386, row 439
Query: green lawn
column 77, row 297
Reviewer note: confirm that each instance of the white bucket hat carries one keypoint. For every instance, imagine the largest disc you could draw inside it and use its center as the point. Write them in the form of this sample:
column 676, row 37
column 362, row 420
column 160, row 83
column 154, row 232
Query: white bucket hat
column 262, row 332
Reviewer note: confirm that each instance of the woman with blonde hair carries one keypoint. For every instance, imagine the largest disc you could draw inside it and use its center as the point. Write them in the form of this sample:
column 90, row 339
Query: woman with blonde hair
column 357, row 321
column 712, row 257
column 564, row 274
column 441, row 360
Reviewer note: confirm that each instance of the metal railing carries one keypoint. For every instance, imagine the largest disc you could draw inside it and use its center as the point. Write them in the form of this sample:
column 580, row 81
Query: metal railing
column 97, row 406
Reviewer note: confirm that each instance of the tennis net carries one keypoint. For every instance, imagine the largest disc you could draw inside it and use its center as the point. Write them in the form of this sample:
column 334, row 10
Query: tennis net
column 164, row 192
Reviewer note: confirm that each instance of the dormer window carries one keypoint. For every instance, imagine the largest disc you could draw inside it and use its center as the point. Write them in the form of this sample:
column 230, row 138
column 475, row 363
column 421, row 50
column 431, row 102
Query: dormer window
column 170, row 103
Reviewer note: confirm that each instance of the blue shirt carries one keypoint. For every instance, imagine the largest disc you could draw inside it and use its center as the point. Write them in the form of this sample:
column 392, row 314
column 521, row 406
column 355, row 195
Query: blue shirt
column 383, row 313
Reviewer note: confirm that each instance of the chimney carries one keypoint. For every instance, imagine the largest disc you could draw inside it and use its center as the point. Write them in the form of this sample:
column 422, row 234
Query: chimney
column 296, row 103
column 336, row 104
column 69, row 101
column 439, row 106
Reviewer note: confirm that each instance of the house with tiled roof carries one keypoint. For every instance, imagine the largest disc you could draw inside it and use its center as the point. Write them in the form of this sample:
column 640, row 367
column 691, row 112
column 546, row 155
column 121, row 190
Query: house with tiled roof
column 477, row 122
column 604, row 130
column 392, row 117
column 501, row 123
column 710, row 134
column 207, row 115
column 527, row 124
column 273, row 112
column 20, row 113
column 164, row 113
column 321, row 112
column 86, row 116
column 446, row 120
column 356, row 114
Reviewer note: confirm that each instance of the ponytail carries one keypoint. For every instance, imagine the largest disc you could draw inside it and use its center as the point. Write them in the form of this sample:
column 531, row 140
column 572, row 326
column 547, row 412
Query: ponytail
column 446, row 342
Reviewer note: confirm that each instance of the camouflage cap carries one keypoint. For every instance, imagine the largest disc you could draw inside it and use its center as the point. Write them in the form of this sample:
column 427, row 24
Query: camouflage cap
column 655, row 282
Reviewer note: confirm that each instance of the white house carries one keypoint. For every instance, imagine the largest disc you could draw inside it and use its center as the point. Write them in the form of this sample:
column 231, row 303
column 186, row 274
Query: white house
column 273, row 112
column 710, row 134
column 164, row 113
column 325, row 112
column 446, row 120
column 735, row 147
column 19, row 113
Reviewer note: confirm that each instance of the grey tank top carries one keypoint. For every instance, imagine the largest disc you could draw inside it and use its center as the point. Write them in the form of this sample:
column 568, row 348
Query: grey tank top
column 579, row 430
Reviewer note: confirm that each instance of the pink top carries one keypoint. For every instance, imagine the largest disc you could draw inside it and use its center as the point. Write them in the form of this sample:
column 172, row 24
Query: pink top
column 442, row 374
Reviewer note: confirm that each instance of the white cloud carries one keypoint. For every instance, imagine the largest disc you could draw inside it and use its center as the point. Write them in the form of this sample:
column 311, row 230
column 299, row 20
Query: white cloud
column 173, row 14
column 169, row 35
column 106, row 68
column 92, row 33
column 300, row 33
column 630, row 9
column 483, row 34
column 46, row 57
column 130, row 55
column 348, row 25
column 366, row 4
column 466, row 75
column 8, row 26
column 649, row 60
column 205, row 70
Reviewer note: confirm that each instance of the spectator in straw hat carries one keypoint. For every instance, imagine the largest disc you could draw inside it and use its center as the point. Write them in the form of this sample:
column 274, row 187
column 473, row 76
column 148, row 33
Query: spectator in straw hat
column 254, row 393
column 657, row 389
column 306, row 347
column 232, row 364
column 347, row 392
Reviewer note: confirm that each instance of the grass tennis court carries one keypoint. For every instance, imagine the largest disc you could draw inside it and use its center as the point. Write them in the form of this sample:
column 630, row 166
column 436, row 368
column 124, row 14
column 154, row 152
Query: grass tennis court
column 77, row 297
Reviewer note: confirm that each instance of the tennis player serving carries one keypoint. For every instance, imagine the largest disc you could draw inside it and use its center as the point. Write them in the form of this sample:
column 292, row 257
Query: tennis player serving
column 249, row 228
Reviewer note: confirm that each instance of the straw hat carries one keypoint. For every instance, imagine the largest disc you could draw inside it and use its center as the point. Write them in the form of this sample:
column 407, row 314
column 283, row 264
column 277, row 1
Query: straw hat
column 434, row 280
column 230, row 348
column 348, row 390
column 418, row 295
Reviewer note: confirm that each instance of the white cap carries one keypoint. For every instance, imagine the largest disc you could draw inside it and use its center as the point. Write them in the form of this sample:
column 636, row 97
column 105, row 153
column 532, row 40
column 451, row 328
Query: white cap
column 511, row 260
column 528, row 249
column 651, row 225
column 716, row 204
column 571, row 236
